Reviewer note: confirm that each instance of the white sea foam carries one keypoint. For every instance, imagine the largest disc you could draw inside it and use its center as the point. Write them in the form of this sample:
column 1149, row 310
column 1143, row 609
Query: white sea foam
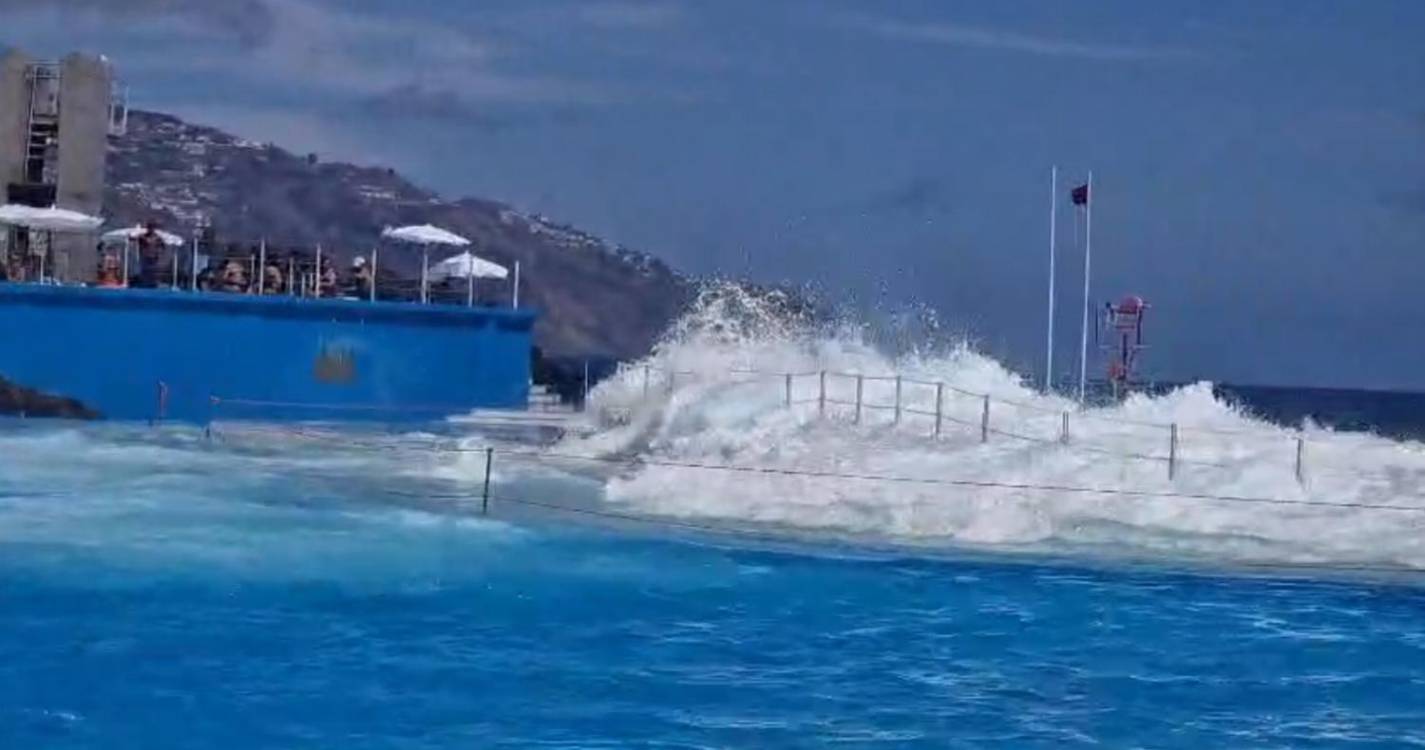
column 707, row 412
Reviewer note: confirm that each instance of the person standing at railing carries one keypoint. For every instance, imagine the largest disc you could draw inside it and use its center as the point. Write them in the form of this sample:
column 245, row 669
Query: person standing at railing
column 360, row 286
column 151, row 248
column 327, row 280
column 234, row 277
column 109, row 269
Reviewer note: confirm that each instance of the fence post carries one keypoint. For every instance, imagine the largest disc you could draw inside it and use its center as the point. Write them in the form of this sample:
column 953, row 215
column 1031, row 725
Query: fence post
column 1064, row 430
column 898, row 399
column 985, row 421
column 213, row 402
column 485, row 496
column 1172, row 451
column 939, row 399
column 789, row 390
column 584, row 403
column 1300, row 461
column 645, row 381
column 859, row 382
column 821, row 396
column 162, row 401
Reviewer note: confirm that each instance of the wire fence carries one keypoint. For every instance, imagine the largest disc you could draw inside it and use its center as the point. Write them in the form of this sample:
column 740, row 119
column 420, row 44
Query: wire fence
column 490, row 498
column 943, row 412
column 938, row 409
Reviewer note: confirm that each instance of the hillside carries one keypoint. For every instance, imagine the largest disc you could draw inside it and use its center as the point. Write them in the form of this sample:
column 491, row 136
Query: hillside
column 596, row 298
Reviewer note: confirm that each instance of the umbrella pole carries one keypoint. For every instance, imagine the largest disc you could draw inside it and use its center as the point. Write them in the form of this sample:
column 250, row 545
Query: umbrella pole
column 371, row 286
column 425, row 266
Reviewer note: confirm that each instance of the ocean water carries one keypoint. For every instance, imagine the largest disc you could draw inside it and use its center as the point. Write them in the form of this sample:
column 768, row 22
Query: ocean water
column 710, row 568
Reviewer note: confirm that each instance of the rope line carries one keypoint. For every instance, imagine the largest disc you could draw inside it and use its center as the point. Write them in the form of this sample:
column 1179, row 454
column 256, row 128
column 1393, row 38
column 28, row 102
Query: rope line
column 898, row 479
column 496, row 500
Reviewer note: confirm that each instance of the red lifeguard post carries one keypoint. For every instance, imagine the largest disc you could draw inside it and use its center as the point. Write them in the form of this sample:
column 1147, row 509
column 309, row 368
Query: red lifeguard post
column 1122, row 341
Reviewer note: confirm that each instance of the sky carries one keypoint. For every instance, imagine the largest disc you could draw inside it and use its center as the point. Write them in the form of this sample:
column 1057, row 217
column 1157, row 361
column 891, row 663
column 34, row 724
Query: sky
column 1259, row 167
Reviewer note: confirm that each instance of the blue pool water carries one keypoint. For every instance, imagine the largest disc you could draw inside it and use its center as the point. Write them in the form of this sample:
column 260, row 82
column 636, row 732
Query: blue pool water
column 158, row 591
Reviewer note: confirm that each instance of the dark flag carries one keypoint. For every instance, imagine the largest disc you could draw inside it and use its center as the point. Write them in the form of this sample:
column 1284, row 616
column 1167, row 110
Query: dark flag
column 1080, row 195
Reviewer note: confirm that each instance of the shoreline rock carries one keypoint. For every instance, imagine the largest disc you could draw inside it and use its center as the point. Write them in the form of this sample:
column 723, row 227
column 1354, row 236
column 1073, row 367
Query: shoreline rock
column 17, row 400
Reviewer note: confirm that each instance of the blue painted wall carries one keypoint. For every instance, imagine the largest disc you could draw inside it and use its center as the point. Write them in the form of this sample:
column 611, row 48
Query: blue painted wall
column 323, row 359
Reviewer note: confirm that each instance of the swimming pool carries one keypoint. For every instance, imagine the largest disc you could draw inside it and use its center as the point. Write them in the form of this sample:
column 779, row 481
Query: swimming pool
column 158, row 590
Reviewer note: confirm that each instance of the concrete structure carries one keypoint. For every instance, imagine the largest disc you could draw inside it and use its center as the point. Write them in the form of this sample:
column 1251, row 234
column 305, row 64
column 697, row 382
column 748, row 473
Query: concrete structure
column 54, row 122
column 138, row 354
column 14, row 111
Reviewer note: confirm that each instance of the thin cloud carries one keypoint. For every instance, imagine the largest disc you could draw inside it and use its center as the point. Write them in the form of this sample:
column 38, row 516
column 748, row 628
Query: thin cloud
column 958, row 35
column 319, row 47
column 919, row 195
column 630, row 15
column 249, row 21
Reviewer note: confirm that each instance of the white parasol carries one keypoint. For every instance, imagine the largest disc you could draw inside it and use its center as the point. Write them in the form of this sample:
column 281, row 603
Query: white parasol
column 425, row 235
column 135, row 232
column 465, row 266
column 52, row 219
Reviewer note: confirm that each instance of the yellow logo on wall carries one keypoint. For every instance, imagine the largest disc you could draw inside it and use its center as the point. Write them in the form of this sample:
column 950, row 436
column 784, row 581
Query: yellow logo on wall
column 335, row 365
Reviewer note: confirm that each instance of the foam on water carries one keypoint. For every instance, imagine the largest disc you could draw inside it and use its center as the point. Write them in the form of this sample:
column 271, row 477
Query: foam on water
column 710, row 413
column 103, row 502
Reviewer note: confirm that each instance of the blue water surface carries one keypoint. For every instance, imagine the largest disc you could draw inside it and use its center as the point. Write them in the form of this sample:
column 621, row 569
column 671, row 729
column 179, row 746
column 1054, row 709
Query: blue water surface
column 155, row 596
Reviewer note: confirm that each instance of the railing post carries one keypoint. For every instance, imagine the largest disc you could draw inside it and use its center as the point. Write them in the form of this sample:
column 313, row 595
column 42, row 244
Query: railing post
column 1300, row 461
column 985, row 420
column 939, row 400
column 1064, row 430
column 860, row 382
column 584, row 403
column 515, row 288
column 898, row 399
column 821, row 395
column 485, row 496
column 1172, row 451
column 789, row 390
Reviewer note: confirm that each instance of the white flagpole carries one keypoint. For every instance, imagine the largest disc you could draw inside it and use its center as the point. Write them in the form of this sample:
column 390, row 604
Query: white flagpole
column 1088, row 261
column 1053, row 223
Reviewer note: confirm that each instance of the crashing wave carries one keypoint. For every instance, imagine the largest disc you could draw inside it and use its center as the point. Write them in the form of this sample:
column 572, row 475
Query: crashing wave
column 714, row 391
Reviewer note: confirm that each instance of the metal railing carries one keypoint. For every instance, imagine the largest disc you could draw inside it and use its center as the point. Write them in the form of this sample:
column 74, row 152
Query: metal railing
column 258, row 270
column 937, row 407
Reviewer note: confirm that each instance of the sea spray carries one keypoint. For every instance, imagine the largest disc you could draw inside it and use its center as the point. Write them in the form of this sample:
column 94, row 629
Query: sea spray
column 715, row 391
